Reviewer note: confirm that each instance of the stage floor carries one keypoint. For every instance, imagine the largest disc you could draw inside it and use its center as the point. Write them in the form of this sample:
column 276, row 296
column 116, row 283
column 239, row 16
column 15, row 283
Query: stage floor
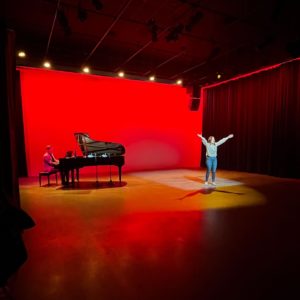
column 162, row 235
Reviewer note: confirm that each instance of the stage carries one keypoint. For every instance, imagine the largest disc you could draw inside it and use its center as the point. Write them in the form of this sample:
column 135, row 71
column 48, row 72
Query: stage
column 161, row 235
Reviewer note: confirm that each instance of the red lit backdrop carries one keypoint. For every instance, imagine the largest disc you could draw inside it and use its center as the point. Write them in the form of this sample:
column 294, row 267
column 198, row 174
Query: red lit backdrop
column 152, row 120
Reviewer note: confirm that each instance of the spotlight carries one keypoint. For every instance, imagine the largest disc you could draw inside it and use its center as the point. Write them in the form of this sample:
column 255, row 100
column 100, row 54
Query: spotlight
column 219, row 76
column 278, row 11
column 121, row 74
column 21, row 54
column 214, row 52
column 153, row 29
column 86, row 70
column 152, row 78
column 63, row 21
column 293, row 47
column 267, row 41
column 179, row 81
column 97, row 4
column 193, row 21
column 47, row 64
column 81, row 13
column 174, row 33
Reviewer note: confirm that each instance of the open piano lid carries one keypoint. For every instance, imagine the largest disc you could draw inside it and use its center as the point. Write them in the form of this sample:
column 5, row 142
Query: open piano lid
column 89, row 146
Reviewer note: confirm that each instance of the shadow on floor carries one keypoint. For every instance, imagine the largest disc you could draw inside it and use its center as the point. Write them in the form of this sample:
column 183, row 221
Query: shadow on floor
column 87, row 185
column 207, row 191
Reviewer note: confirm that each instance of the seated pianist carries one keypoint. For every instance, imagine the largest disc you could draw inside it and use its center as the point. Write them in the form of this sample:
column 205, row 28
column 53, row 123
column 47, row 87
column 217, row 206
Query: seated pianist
column 94, row 153
column 50, row 162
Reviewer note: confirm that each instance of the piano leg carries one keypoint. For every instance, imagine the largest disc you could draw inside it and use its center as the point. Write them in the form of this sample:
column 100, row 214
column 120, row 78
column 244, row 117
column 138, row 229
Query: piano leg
column 72, row 176
column 63, row 177
column 120, row 174
column 67, row 175
column 77, row 174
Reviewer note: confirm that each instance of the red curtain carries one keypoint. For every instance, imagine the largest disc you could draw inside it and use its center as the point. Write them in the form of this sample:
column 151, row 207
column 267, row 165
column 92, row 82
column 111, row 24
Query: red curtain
column 9, row 185
column 263, row 111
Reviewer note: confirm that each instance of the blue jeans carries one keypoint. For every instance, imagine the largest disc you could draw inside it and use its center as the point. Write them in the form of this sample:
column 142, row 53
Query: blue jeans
column 211, row 164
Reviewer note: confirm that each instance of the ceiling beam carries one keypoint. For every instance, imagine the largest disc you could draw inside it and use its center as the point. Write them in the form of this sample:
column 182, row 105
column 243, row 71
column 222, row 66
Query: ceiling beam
column 208, row 60
column 165, row 62
column 52, row 28
column 108, row 30
column 150, row 42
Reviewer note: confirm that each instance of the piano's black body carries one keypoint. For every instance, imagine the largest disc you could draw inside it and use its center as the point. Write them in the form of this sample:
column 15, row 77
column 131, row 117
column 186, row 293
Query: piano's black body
column 67, row 165
column 95, row 153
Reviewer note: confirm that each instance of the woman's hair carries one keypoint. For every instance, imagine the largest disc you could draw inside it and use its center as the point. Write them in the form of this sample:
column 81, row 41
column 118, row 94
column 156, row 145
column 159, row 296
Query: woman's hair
column 210, row 138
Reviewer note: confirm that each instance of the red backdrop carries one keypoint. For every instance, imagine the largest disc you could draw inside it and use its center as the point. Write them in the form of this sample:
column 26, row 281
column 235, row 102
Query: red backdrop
column 152, row 120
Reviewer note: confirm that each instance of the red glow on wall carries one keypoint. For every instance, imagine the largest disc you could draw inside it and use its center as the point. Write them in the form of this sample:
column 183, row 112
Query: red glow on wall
column 152, row 120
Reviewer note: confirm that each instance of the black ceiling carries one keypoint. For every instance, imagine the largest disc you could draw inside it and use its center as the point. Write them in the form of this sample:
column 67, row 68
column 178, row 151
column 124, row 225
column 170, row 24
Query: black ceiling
column 188, row 39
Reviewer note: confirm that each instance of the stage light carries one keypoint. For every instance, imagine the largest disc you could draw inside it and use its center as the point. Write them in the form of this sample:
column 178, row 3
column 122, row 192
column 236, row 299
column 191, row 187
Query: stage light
column 214, row 53
column 86, row 70
column 121, row 74
column 47, row 64
column 21, row 54
column 267, row 41
column 153, row 28
column 97, row 4
column 63, row 22
column 193, row 21
column 293, row 47
column 219, row 76
column 179, row 81
column 174, row 33
column 81, row 14
column 152, row 78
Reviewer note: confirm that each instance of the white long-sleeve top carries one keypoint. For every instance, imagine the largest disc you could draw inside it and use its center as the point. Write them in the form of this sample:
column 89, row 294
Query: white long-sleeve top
column 212, row 148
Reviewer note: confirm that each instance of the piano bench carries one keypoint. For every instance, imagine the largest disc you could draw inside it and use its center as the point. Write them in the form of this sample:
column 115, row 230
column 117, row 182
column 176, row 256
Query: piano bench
column 48, row 174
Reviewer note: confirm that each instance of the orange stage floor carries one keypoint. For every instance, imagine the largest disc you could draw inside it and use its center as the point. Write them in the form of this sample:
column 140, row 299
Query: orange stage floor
column 162, row 235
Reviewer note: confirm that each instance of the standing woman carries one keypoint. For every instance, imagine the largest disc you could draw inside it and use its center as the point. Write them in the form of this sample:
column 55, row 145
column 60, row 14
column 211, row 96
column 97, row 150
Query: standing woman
column 211, row 155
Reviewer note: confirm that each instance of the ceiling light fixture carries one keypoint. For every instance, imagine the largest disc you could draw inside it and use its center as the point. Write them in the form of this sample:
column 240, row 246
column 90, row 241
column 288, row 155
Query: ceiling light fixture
column 81, row 13
column 153, row 28
column 174, row 33
column 97, row 4
column 63, row 22
column 214, row 53
column 47, row 64
column 293, row 48
column 193, row 21
column 121, row 74
column 21, row 54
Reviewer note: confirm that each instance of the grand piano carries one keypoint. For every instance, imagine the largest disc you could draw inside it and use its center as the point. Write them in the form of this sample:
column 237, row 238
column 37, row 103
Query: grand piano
column 94, row 153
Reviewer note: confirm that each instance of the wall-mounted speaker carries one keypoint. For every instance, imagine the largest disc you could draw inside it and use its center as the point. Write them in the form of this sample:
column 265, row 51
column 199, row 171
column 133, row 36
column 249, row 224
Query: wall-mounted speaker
column 195, row 103
column 194, row 91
